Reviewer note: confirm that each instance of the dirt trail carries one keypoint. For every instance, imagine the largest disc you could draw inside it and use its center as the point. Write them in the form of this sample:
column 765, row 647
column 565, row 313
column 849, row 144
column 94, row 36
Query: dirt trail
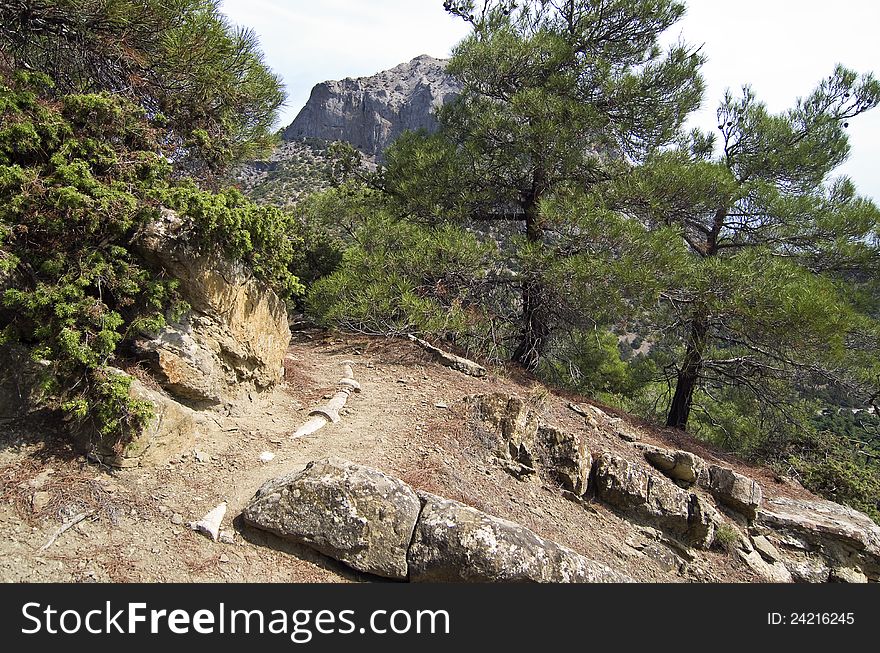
column 407, row 421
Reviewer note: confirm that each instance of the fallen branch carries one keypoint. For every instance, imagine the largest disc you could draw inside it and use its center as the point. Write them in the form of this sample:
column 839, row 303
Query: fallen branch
column 457, row 363
column 329, row 413
column 65, row 527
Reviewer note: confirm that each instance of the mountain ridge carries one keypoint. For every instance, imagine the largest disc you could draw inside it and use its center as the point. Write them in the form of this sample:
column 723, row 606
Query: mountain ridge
column 371, row 112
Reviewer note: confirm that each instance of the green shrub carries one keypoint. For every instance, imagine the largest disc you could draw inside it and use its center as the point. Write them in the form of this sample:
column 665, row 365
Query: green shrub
column 80, row 176
column 726, row 538
column 399, row 277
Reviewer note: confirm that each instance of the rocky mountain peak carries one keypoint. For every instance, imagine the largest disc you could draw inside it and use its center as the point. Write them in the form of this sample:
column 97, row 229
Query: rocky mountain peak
column 370, row 112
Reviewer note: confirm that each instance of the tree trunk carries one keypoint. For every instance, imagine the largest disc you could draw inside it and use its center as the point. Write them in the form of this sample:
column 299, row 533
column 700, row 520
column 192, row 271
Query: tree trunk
column 535, row 326
column 535, row 316
column 689, row 375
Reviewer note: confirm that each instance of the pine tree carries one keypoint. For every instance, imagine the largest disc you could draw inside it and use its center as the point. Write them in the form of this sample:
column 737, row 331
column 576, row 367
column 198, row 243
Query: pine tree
column 555, row 94
column 772, row 242
column 178, row 59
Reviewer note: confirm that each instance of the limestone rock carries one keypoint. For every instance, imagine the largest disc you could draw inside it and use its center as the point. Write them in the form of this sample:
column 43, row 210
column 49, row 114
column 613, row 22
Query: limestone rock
column 20, row 380
column 233, row 340
column 732, row 489
column 39, row 501
column 808, row 570
column 703, row 522
column 642, row 494
column 766, row 549
column 817, row 536
column 371, row 112
column 353, row 513
column 565, row 454
column 683, row 467
column 847, row 575
column 211, row 522
column 456, row 543
column 775, row 572
column 514, row 425
column 173, row 429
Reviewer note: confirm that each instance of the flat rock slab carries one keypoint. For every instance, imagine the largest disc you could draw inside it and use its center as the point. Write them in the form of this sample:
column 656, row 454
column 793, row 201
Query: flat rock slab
column 456, row 543
column 356, row 514
column 825, row 525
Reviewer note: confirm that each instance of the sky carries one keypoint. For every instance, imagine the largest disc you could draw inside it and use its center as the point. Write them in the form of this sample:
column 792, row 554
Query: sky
column 782, row 48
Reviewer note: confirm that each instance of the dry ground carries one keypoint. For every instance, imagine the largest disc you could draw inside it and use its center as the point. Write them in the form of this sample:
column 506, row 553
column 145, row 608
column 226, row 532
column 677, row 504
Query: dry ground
column 136, row 530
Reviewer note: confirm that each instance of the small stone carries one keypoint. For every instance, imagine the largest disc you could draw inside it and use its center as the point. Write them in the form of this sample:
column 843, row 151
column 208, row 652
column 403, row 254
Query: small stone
column 224, row 558
column 440, row 405
column 40, row 500
column 201, row 457
column 177, row 519
column 210, row 523
column 765, row 547
column 267, row 457
column 41, row 479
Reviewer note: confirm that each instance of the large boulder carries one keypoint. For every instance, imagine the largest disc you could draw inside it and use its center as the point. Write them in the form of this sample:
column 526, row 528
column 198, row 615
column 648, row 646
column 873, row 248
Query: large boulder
column 643, row 495
column 349, row 512
column 566, row 457
column 456, row 543
column 172, row 430
column 820, row 540
column 739, row 493
column 234, row 338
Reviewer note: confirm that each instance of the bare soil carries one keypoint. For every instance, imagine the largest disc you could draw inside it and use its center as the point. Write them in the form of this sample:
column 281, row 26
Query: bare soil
column 409, row 421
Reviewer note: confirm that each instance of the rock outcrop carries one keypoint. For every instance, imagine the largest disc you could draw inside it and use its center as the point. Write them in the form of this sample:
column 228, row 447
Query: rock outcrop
column 233, row 340
column 566, row 457
column 733, row 490
column 646, row 496
column 20, row 380
column 820, row 541
column 370, row 112
column 456, row 543
column 513, row 425
column 173, row 429
column 379, row 525
column 683, row 467
column 355, row 514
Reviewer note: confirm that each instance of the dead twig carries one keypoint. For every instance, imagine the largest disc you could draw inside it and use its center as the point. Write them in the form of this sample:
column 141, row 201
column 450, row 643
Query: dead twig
column 65, row 527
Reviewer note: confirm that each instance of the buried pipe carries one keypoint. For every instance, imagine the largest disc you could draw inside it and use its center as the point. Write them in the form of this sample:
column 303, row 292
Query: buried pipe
column 329, row 412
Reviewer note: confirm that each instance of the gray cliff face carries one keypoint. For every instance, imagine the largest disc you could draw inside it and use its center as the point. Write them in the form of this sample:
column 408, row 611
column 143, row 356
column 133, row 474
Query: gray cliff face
column 370, row 112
